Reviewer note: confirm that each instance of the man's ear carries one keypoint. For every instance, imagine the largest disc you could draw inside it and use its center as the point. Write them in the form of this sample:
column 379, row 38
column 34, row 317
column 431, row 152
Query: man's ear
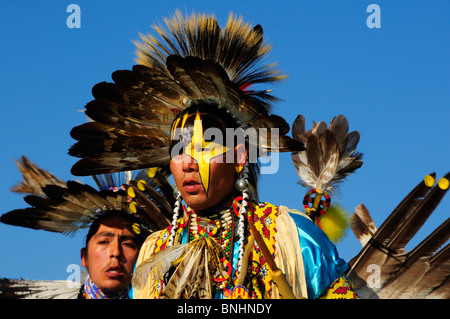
column 241, row 156
column 83, row 257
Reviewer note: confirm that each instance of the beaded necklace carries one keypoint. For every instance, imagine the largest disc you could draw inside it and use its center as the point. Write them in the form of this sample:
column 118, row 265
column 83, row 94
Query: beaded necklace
column 91, row 290
column 219, row 227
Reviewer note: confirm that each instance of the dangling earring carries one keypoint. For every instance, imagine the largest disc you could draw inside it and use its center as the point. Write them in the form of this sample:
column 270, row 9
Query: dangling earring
column 176, row 210
column 241, row 183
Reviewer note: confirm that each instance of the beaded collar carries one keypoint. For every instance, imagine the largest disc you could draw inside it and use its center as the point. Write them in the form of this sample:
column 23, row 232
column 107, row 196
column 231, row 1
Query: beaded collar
column 91, row 291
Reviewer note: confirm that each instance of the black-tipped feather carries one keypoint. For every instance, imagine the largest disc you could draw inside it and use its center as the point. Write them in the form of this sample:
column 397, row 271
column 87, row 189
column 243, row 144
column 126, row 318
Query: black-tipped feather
column 67, row 207
column 330, row 154
column 194, row 59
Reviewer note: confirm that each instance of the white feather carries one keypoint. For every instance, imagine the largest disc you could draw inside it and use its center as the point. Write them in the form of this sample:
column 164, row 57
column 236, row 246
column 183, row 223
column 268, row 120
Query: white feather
column 162, row 261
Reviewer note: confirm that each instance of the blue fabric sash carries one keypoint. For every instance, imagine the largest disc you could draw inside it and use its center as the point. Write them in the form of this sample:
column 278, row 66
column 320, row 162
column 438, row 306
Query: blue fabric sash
column 320, row 257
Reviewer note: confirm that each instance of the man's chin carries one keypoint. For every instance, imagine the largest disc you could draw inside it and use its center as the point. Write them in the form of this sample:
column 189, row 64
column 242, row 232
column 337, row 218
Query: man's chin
column 113, row 285
column 195, row 201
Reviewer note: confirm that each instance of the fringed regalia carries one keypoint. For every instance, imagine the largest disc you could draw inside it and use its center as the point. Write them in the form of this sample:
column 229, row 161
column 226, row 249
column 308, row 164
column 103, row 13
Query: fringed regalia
column 285, row 233
column 134, row 121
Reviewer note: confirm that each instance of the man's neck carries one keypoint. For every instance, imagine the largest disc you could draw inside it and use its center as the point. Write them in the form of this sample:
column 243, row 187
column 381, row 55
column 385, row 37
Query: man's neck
column 215, row 210
column 93, row 292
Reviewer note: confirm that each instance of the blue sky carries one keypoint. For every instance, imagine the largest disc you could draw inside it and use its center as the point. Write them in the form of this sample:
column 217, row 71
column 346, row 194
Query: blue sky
column 392, row 84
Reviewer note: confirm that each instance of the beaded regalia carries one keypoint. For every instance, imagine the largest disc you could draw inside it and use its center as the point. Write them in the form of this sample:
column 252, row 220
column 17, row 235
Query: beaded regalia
column 138, row 120
column 135, row 123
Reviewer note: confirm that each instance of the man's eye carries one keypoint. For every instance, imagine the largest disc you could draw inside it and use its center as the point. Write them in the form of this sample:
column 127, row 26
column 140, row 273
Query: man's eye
column 129, row 244
column 203, row 149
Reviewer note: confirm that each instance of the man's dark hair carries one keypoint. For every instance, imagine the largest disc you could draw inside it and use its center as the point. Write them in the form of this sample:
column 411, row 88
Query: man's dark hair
column 130, row 220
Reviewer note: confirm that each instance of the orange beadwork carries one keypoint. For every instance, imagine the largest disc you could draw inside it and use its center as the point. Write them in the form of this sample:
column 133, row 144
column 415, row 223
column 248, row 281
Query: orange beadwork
column 316, row 212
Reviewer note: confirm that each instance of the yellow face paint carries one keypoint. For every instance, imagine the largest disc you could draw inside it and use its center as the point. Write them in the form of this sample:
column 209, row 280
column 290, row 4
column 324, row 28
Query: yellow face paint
column 201, row 151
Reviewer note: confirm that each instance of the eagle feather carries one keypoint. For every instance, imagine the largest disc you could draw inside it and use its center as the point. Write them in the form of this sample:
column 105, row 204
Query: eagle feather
column 330, row 154
column 422, row 272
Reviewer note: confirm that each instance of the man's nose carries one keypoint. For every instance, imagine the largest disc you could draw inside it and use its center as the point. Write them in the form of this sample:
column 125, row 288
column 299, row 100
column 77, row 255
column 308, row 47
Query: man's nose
column 188, row 164
column 114, row 251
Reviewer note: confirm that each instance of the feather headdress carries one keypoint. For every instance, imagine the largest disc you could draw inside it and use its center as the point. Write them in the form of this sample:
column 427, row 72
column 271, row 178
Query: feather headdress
column 330, row 156
column 66, row 207
column 384, row 268
column 193, row 61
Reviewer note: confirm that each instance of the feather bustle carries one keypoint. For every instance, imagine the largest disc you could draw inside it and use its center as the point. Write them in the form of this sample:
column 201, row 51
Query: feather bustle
column 69, row 206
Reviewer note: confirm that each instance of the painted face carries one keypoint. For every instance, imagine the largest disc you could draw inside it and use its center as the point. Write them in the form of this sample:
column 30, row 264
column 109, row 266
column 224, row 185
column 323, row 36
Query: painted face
column 202, row 169
column 110, row 255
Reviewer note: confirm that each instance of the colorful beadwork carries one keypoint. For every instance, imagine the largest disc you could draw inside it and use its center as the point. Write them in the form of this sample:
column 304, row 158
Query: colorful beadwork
column 258, row 282
column 321, row 209
column 342, row 288
column 93, row 292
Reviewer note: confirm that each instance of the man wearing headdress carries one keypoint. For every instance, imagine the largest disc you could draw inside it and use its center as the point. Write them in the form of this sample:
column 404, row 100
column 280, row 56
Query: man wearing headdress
column 218, row 226
column 116, row 232
column 222, row 243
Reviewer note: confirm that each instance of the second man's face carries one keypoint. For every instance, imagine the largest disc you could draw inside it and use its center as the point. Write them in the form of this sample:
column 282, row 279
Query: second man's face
column 110, row 256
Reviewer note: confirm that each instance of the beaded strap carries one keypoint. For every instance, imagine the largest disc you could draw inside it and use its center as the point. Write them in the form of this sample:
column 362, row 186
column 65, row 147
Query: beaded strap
column 242, row 213
column 175, row 218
